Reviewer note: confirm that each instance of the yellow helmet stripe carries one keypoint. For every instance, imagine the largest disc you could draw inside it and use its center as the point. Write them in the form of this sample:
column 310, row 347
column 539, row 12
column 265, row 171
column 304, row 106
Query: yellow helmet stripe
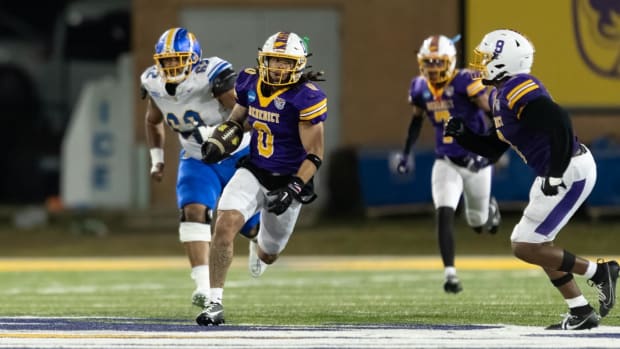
column 170, row 39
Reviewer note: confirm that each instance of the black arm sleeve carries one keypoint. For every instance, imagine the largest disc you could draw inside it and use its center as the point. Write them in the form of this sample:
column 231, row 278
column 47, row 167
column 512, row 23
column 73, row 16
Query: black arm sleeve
column 487, row 145
column 544, row 115
column 414, row 132
column 223, row 82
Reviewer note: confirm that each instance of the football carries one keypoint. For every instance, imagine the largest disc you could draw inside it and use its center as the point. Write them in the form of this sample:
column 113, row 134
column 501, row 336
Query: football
column 223, row 141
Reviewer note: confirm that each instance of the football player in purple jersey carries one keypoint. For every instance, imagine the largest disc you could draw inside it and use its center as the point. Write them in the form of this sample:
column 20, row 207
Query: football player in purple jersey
column 191, row 94
column 442, row 92
column 285, row 111
column 528, row 120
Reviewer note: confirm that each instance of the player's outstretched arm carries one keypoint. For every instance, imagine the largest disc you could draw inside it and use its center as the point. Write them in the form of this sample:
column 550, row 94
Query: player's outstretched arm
column 489, row 145
column 155, row 137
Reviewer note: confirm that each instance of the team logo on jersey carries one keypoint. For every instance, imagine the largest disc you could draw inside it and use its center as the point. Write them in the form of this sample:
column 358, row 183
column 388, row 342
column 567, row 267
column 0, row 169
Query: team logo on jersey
column 279, row 103
column 251, row 96
column 597, row 34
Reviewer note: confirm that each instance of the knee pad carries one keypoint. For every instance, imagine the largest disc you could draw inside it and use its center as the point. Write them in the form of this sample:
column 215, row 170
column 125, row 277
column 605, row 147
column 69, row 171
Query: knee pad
column 192, row 231
column 563, row 280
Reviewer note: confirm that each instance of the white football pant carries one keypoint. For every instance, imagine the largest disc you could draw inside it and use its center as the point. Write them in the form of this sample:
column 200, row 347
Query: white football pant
column 245, row 194
column 449, row 181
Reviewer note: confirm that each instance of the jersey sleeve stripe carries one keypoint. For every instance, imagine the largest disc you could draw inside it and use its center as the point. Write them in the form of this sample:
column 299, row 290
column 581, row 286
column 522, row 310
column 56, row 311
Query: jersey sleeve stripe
column 314, row 115
column 313, row 108
column 522, row 93
column 518, row 88
column 474, row 88
column 217, row 69
column 321, row 108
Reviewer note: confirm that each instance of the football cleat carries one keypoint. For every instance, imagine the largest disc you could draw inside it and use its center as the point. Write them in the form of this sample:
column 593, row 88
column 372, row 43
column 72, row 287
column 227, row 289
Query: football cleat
column 200, row 299
column 212, row 315
column 606, row 288
column 452, row 285
column 577, row 322
column 255, row 265
column 495, row 217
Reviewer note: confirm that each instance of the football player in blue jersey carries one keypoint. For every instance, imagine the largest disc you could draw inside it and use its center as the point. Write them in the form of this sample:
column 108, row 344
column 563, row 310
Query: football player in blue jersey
column 440, row 92
column 529, row 121
column 285, row 111
column 191, row 94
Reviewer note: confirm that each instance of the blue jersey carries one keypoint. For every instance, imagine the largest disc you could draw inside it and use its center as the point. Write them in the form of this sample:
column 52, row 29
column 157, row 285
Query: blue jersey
column 508, row 101
column 275, row 145
column 454, row 99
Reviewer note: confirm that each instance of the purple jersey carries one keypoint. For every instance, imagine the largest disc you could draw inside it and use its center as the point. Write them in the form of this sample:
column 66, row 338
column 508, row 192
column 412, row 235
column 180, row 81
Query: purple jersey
column 453, row 100
column 507, row 102
column 275, row 145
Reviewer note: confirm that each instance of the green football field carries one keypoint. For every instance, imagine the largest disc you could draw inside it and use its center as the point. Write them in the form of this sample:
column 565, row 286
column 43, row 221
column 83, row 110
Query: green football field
column 387, row 272
column 295, row 291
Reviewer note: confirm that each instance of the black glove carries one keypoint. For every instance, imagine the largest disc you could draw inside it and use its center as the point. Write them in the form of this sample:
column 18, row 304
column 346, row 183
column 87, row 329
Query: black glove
column 402, row 167
column 454, row 128
column 283, row 197
column 551, row 184
column 211, row 154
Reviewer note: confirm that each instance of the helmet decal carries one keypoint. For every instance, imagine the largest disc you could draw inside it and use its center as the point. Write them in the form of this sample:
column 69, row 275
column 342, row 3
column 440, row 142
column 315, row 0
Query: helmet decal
column 281, row 41
column 502, row 53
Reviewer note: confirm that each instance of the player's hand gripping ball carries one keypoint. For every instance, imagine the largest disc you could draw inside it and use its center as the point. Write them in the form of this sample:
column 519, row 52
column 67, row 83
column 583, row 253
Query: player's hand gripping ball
column 224, row 140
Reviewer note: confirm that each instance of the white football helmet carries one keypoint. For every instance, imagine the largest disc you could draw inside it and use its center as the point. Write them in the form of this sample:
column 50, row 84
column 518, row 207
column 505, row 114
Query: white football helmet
column 503, row 53
column 282, row 45
column 437, row 59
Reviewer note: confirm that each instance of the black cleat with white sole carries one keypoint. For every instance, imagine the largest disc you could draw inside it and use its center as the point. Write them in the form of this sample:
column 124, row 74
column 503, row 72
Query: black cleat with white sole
column 577, row 322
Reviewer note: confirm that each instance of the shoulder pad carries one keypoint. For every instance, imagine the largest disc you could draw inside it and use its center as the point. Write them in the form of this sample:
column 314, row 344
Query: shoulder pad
column 149, row 73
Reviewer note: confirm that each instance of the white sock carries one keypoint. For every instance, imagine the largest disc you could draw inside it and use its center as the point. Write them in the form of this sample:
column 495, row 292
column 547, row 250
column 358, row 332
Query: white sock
column 449, row 272
column 217, row 294
column 591, row 270
column 578, row 301
column 200, row 274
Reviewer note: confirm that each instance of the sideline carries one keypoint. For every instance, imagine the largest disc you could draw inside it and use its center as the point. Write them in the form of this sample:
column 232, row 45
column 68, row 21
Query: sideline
column 335, row 263
column 337, row 336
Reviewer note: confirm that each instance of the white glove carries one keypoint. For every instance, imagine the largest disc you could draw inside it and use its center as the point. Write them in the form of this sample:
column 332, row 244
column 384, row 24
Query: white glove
column 205, row 132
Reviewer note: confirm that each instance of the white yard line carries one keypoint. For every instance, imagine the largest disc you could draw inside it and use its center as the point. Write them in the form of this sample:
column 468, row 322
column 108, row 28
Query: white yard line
column 483, row 336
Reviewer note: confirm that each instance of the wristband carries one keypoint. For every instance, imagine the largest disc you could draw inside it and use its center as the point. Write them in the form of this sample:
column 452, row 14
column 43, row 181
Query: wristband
column 157, row 156
column 555, row 181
